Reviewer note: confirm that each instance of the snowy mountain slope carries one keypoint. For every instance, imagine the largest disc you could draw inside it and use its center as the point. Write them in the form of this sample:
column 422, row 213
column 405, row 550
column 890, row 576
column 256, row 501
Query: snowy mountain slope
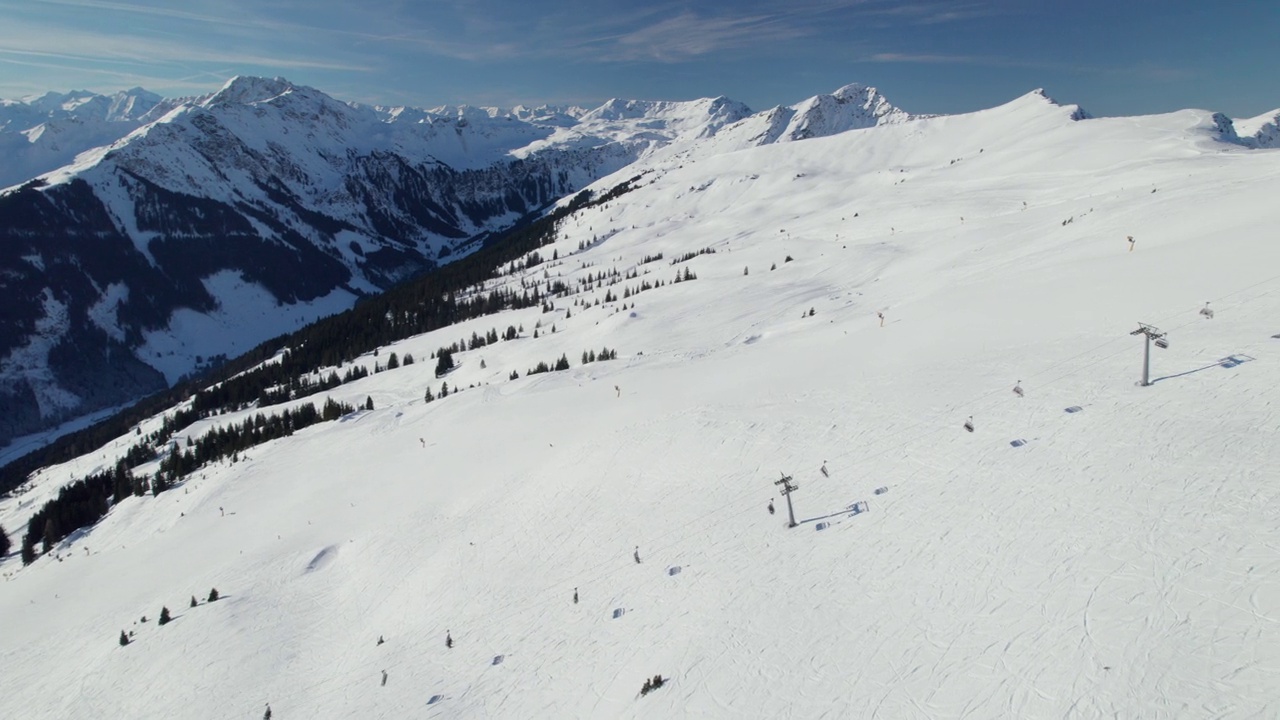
column 1122, row 561
column 42, row 134
column 270, row 191
column 852, row 107
column 1262, row 131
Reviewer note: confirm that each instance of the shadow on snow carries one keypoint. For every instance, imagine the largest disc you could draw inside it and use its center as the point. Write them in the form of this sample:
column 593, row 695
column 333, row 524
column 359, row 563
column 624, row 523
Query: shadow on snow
column 1228, row 362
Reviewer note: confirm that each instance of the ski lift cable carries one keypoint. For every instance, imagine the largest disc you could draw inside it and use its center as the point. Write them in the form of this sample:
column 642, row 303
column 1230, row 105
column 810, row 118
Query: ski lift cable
column 983, row 401
column 746, row 503
column 750, row 499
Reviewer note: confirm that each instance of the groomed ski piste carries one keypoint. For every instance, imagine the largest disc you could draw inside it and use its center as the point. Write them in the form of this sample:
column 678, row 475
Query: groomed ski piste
column 1095, row 548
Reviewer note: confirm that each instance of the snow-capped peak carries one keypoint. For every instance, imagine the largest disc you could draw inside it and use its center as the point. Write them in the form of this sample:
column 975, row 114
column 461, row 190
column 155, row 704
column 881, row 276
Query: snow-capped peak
column 131, row 104
column 1039, row 97
column 246, row 90
column 851, row 107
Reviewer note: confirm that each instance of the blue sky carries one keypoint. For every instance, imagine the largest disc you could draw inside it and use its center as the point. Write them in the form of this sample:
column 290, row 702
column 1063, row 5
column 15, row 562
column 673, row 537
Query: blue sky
column 1114, row 57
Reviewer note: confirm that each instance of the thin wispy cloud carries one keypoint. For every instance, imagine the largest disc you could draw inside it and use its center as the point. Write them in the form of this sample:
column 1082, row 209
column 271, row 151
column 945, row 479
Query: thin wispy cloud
column 148, row 10
column 689, row 35
column 670, row 33
column 983, row 60
column 483, row 32
column 123, row 78
column 19, row 38
column 1143, row 70
column 893, row 57
column 935, row 13
column 246, row 20
column 759, row 51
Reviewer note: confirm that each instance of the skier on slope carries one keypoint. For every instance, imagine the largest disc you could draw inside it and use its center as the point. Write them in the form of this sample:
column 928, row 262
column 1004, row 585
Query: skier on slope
column 636, row 555
column 770, row 506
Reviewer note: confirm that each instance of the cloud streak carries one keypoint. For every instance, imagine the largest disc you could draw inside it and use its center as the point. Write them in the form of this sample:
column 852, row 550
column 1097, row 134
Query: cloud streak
column 250, row 25
column 688, row 35
column 1145, row 70
column 671, row 33
column 84, row 46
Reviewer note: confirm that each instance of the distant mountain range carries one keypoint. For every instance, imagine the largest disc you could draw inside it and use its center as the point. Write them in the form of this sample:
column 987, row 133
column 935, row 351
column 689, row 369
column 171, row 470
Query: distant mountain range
column 143, row 238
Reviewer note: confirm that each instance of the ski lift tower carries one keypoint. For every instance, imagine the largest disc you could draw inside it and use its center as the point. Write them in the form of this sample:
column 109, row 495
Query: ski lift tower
column 1152, row 333
column 787, row 489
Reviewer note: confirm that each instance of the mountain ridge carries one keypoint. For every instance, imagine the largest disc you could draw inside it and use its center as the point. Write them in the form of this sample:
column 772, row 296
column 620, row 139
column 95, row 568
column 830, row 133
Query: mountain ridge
column 277, row 191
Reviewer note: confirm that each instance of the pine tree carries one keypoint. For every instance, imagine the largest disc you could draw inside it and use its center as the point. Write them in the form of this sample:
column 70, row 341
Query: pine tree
column 368, row 402
column 5, row 544
column 444, row 362
column 164, row 616
column 193, row 601
column 52, row 534
column 393, row 362
column 124, row 638
column 213, row 595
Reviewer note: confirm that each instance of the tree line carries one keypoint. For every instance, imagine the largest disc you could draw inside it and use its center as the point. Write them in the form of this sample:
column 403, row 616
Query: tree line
column 436, row 299
column 83, row 502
